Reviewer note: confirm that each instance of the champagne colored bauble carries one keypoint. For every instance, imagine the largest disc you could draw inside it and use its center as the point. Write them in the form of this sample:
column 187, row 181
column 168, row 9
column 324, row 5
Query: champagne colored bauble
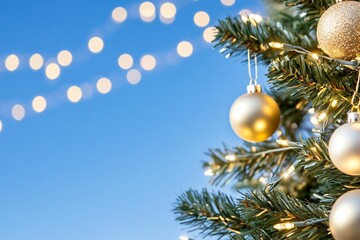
column 344, row 147
column 254, row 117
column 344, row 217
column 338, row 30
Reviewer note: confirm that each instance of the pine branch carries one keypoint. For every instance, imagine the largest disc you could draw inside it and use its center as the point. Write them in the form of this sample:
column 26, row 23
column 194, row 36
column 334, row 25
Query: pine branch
column 251, row 217
column 234, row 37
column 320, row 81
column 249, row 163
column 315, row 160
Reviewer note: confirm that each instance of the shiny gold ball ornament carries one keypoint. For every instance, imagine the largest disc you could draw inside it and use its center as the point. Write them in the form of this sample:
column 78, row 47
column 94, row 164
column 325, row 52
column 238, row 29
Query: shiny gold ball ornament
column 338, row 30
column 344, row 146
column 254, row 116
column 344, row 219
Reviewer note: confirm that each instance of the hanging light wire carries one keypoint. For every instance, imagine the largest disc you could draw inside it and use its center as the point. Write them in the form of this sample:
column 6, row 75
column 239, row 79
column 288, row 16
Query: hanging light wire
column 253, row 81
column 354, row 96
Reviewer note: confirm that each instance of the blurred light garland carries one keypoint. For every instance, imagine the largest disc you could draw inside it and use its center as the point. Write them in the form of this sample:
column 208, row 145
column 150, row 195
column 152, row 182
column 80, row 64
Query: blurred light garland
column 64, row 58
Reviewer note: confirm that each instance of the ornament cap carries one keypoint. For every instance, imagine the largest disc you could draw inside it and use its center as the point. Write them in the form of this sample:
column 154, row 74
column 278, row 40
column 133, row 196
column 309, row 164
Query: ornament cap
column 353, row 117
column 254, row 88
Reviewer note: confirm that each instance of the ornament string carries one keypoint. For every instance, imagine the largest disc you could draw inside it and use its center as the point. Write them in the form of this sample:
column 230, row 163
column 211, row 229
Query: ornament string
column 354, row 96
column 253, row 81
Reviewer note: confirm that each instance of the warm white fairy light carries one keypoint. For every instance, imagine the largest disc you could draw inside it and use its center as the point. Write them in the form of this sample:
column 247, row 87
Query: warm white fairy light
column 322, row 116
column 167, row 12
column 18, row 112
column 311, row 110
column 314, row 120
column 103, row 85
column 185, row 49
column 228, row 3
column 283, row 226
column 276, row 45
column 125, row 61
column 133, row 76
column 230, row 157
column 256, row 17
column 39, row 104
column 334, row 103
column 95, row 44
column 289, row 171
column 148, row 62
column 36, row 61
column 147, row 11
column 314, row 56
column 12, row 62
column 52, row 71
column 283, row 142
column 201, row 19
column 64, row 58
column 119, row 14
column 244, row 14
column 183, row 237
column 209, row 34
column 209, row 173
column 74, row 94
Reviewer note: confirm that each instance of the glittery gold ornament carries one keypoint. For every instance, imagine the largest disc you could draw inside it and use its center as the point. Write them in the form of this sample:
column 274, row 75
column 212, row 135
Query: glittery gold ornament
column 254, row 116
column 344, row 146
column 338, row 30
column 344, row 219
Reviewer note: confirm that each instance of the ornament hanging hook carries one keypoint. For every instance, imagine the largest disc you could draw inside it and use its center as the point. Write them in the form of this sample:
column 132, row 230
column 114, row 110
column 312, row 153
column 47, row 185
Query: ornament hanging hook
column 253, row 81
column 356, row 107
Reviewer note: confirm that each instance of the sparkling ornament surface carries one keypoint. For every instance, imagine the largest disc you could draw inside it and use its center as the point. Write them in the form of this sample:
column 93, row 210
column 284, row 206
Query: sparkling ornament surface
column 254, row 117
column 338, row 30
column 344, row 217
column 344, row 148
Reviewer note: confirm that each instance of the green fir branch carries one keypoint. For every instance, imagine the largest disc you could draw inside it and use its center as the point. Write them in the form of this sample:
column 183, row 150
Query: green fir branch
column 251, row 217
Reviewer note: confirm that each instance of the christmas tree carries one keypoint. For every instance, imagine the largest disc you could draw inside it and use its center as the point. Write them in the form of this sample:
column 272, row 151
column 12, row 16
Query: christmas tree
column 302, row 182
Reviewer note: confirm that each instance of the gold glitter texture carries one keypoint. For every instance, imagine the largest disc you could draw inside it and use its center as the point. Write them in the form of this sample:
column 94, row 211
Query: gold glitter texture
column 338, row 31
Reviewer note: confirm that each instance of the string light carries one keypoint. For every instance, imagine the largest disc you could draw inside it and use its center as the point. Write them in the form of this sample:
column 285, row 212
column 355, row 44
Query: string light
column 283, row 142
column 147, row 11
column 334, row 103
column 209, row 34
column 36, row 61
column 133, row 76
column 52, row 71
column 1, row 126
column 119, row 14
column 276, row 45
column 209, row 173
column 18, row 112
column 167, row 12
column 311, row 110
column 283, row 226
column 64, row 58
column 184, row 49
column 125, row 61
column 201, row 19
column 289, row 171
column 322, row 116
column 314, row 56
column 256, row 17
column 148, row 62
column 39, row 104
column 103, row 85
column 230, row 157
column 74, row 94
column 183, row 237
column 96, row 44
column 228, row 3
column 12, row 62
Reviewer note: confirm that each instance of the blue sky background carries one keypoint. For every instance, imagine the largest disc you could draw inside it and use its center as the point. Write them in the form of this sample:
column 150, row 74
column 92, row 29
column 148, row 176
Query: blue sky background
column 109, row 167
